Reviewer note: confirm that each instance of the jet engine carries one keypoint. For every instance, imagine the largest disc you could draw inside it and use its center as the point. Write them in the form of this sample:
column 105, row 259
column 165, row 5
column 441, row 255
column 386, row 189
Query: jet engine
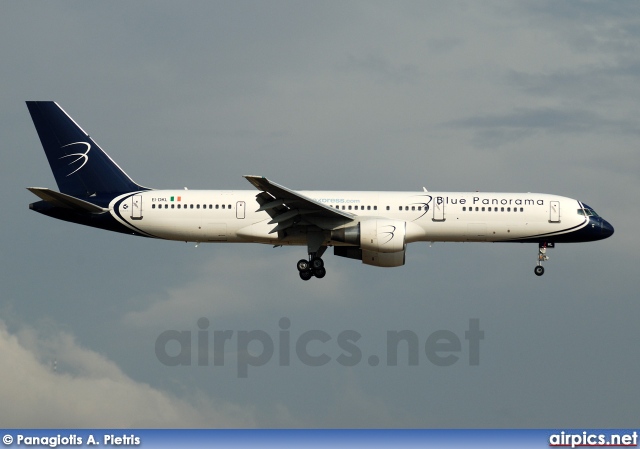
column 379, row 242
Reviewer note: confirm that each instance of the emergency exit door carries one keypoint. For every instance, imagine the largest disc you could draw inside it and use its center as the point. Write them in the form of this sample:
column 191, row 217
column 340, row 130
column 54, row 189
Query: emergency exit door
column 240, row 207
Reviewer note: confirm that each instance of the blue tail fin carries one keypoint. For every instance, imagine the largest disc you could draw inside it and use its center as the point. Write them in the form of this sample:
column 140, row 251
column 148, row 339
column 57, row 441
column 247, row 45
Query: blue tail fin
column 79, row 165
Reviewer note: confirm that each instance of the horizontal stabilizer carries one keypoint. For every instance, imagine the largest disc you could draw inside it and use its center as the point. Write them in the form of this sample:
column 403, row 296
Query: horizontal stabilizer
column 66, row 201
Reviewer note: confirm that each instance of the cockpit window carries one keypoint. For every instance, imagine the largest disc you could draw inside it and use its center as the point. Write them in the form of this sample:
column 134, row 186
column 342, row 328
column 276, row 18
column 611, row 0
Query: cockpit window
column 588, row 212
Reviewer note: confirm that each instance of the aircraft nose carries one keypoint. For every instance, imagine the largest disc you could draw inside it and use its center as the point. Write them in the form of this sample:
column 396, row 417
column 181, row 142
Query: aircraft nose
column 607, row 229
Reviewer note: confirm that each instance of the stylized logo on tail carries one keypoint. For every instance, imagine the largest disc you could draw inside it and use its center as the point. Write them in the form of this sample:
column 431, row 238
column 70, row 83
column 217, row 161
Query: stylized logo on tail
column 80, row 156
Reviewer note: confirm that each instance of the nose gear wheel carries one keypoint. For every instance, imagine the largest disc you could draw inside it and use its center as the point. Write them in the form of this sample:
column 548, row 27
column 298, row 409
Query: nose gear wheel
column 542, row 257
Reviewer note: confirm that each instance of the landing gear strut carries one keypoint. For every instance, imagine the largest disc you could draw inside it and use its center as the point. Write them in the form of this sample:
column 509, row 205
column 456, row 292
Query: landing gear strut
column 542, row 256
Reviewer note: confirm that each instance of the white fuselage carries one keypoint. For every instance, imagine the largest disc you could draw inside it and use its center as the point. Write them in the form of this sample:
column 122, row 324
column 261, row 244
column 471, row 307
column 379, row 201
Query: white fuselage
column 230, row 215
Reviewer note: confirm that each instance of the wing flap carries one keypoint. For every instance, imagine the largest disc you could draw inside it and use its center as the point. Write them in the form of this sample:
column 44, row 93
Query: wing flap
column 282, row 193
column 287, row 207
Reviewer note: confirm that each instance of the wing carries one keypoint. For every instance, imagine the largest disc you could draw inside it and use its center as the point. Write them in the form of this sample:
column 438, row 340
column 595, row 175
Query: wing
column 288, row 208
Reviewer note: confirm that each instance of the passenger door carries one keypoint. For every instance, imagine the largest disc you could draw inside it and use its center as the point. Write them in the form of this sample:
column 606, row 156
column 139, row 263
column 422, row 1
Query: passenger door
column 136, row 207
column 554, row 212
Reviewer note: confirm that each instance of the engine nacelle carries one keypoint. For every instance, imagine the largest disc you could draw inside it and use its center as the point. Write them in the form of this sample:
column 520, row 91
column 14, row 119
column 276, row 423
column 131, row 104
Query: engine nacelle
column 371, row 257
column 377, row 235
column 383, row 259
column 379, row 242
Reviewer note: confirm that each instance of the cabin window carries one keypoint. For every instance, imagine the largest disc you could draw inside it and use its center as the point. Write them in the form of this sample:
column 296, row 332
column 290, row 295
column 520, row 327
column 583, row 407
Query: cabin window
column 375, row 207
column 173, row 206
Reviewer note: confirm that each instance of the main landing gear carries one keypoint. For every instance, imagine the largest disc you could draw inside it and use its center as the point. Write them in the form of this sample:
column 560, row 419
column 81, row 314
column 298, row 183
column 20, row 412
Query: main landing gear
column 542, row 256
column 312, row 267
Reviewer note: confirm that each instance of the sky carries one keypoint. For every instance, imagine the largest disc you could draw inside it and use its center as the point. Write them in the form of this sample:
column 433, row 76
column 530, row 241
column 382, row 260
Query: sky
column 525, row 96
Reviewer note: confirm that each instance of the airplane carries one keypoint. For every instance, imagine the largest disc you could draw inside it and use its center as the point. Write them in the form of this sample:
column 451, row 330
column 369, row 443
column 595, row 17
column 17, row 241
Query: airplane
column 373, row 227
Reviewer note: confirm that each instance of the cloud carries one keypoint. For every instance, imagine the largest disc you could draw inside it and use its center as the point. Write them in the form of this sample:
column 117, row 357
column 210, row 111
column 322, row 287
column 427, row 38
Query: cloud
column 524, row 122
column 88, row 390
column 237, row 281
column 383, row 70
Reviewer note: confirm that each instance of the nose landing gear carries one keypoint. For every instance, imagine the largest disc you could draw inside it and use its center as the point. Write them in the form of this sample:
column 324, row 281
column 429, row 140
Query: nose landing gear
column 542, row 257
